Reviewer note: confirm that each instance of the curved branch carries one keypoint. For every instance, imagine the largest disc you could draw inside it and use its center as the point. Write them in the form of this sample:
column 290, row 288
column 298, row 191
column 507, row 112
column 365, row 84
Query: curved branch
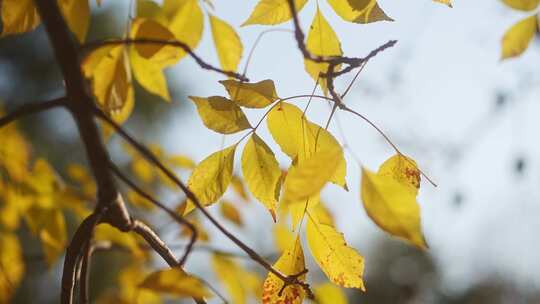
column 155, row 242
column 31, row 108
column 90, row 46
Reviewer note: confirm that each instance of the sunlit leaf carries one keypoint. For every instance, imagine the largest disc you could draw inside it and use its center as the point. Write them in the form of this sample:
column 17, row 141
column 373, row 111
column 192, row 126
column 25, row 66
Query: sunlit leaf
column 271, row 12
column 389, row 198
column 19, row 16
column 230, row 274
column 251, row 95
column 77, row 15
column 220, row 114
column 329, row 293
column 230, row 212
column 11, row 266
column 291, row 262
column 175, row 282
column 186, row 22
column 105, row 232
column 261, row 172
column 516, row 40
column 447, row 2
column 342, row 264
column 359, row 11
column 321, row 41
column 524, row 5
column 211, row 177
column 283, row 237
column 239, row 188
column 372, row 13
column 227, row 42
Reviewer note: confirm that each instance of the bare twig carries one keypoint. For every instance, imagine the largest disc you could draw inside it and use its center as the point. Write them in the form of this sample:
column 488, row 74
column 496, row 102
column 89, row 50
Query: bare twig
column 162, row 206
column 90, row 46
column 31, row 108
column 155, row 242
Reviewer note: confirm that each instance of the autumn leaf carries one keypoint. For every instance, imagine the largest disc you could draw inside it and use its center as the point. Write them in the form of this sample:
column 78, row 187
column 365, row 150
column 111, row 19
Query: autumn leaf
column 516, row 40
column 221, row 114
column 321, row 41
column 49, row 224
column 307, row 178
column 19, row 16
column 272, row 12
column 227, row 42
column 283, row 237
column 106, row 232
column 251, row 95
column 77, row 14
column 230, row 274
column 359, row 11
column 299, row 138
column 229, row 211
column 524, row 5
column 239, row 188
column 342, row 264
column 185, row 21
column 12, row 266
column 291, row 262
column 262, row 173
column 389, row 197
column 328, row 293
column 211, row 177
column 175, row 282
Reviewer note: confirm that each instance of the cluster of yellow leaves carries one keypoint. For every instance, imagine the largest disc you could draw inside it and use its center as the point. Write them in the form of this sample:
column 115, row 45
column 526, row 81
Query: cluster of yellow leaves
column 21, row 16
column 517, row 38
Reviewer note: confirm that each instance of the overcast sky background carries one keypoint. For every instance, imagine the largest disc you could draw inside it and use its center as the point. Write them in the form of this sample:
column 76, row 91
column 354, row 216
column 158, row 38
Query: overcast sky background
column 434, row 94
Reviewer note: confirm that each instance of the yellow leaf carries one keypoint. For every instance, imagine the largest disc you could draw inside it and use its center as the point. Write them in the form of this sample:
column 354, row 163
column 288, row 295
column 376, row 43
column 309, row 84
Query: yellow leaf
column 80, row 175
column 19, row 16
column 227, row 42
column 53, row 235
column 361, row 11
column 283, row 237
column 308, row 177
column 342, row 264
column 389, row 198
column 143, row 169
column 261, row 172
column 524, row 5
column 13, row 205
column 516, row 40
column 271, row 12
column 129, row 279
column 109, row 71
column 211, row 177
column 175, row 282
column 220, row 114
column 106, row 232
column 238, row 186
column 186, row 21
column 11, row 266
column 296, row 137
column 229, row 211
column 447, row 2
column 77, row 15
column 328, row 293
column 230, row 274
column 136, row 200
column 323, row 214
column 291, row 262
column 151, row 10
column 181, row 161
column 251, row 95
column 158, row 54
column 322, row 41
column 298, row 209
column 44, row 181
column 14, row 152
column 373, row 13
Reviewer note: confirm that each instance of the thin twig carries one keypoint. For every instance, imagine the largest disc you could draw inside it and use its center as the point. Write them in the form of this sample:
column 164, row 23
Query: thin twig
column 31, row 108
column 155, row 242
column 171, row 213
column 90, row 46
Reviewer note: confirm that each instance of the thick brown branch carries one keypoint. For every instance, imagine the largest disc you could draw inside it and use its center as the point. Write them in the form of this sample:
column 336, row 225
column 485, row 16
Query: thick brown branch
column 31, row 108
column 90, row 46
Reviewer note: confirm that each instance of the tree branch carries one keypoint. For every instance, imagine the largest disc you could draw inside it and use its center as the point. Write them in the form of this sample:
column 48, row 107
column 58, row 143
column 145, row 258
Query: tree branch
column 290, row 280
column 155, row 242
column 90, row 46
column 31, row 108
